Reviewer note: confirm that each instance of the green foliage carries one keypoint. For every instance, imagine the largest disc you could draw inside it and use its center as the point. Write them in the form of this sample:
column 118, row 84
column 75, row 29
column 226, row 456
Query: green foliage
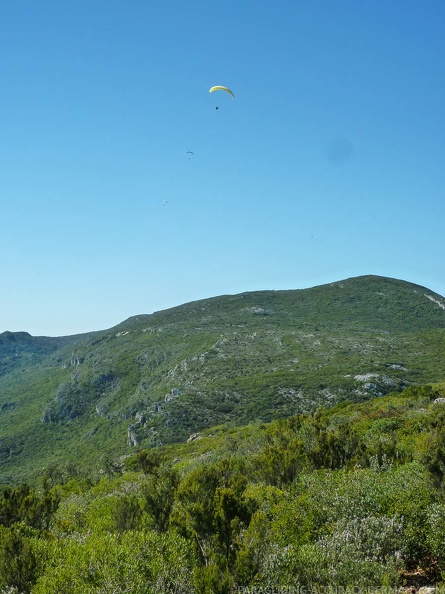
column 435, row 455
column 435, row 535
column 277, row 465
column 126, row 513
column 252, row 549
column 23, row 504
column 158, row 492
column 351, row 496
column 361, row 552
column 18, row 563
column 137, row 562
column 146, row 461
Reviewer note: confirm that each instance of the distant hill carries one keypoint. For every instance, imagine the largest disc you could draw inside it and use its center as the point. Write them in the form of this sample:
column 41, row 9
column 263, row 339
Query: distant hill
column 234, row 359
column 20, row 349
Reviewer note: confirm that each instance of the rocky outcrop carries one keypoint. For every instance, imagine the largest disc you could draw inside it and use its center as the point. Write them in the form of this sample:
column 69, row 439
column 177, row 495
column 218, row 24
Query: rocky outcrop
column 139, row 417
column 427, row 590
column 132, row 438
column 194, row 437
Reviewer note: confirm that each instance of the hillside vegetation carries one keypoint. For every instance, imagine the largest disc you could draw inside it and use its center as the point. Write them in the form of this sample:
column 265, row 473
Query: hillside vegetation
column 230, row 360
column 351, row 496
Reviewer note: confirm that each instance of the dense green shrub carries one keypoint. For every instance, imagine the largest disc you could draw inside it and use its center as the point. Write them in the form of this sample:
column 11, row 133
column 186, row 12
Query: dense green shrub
column 322, row 499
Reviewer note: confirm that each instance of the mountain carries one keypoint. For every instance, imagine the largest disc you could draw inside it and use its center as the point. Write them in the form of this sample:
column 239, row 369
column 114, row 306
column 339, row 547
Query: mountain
column 257, row 356
column 21, row 350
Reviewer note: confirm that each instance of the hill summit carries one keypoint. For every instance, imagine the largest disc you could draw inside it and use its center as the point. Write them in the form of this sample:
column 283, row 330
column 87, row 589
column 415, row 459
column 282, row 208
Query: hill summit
column 252, row 357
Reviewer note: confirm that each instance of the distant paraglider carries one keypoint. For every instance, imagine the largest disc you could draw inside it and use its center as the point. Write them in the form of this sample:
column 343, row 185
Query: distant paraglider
column 220, row 88
column 189, row 154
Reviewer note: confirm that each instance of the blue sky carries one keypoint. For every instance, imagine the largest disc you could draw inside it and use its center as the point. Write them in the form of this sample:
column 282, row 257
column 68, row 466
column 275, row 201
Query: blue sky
column 328, row 164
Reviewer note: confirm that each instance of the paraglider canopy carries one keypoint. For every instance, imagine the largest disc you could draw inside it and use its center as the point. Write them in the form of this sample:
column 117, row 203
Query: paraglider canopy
column 220, row 88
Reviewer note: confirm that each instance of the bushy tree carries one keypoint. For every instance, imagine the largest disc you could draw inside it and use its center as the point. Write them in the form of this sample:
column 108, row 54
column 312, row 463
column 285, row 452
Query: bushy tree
column 158, row 493
column 137, row 562
column 18, row 563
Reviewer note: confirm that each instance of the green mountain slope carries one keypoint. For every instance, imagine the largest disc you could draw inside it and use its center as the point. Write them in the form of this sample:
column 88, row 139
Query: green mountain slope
column 158, row 378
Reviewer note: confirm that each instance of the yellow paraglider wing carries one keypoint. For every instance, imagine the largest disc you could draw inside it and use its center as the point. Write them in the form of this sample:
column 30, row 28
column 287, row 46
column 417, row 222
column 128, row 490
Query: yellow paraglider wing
column 219, row 88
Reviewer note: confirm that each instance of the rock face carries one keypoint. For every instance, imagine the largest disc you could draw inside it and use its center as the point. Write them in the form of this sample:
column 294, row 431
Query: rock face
column 132, row 438
column 140, row 418
column 194, row 437
column 69, row 403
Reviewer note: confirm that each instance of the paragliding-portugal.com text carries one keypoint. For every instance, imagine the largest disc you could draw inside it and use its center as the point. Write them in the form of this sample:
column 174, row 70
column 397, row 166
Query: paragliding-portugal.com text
column 297, row 589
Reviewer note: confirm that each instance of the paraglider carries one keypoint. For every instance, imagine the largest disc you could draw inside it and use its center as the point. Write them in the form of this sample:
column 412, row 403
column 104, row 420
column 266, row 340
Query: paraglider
column 221, row 88
column 189, row 153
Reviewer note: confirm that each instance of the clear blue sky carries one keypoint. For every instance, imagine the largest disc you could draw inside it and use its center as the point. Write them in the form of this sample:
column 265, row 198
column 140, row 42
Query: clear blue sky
column 329, row 163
